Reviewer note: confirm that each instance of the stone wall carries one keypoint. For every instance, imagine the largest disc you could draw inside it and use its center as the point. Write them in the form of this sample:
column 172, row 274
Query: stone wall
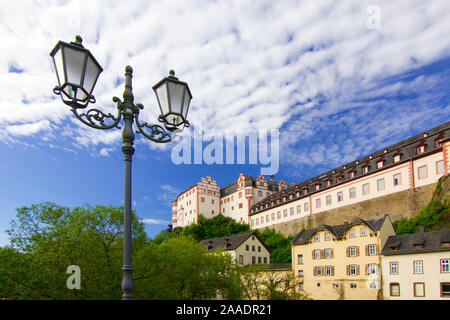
column 403, row 204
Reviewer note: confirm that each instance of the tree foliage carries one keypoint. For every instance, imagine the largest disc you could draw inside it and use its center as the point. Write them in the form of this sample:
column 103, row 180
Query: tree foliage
column 47, row 238
column 279, row 245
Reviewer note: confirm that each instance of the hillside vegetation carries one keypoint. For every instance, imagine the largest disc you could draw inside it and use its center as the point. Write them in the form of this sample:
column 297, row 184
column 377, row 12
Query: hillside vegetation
column 434, row 216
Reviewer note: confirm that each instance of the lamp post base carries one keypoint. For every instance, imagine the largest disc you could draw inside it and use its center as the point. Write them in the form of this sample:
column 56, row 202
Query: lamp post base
column 127, row 283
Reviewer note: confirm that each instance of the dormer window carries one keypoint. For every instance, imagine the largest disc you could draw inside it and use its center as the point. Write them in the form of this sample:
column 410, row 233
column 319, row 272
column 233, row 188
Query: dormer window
column 421, row 147
column 366, row 169
column 339, row 179
column 328, row 183
column 317, row 187
column 352, row 174
column 380, row 164
column 397, row 157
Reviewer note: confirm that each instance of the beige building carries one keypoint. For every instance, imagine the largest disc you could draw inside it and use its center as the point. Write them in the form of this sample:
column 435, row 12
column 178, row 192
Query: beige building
column 417, row 266
column 407, row 165
column 341, row 261
column 246, row 248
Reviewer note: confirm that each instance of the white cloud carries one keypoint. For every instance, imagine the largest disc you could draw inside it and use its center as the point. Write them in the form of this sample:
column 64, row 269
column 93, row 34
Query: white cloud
column 154, row 221
column 28, row 128
column 249, row 64
column 105, row 151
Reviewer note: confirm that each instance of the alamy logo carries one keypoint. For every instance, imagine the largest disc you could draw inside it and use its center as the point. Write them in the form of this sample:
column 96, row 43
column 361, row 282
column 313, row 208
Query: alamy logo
column 251, row 147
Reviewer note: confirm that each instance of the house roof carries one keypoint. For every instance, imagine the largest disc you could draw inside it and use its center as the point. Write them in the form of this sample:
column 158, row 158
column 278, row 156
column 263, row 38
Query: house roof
column 338, row 230
column 231, row 242
column 279, row 267
column 417, row 242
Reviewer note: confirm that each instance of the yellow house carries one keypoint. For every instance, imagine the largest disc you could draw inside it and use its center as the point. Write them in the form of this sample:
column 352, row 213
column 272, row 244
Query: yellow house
column 341, row 261
column 246, row 248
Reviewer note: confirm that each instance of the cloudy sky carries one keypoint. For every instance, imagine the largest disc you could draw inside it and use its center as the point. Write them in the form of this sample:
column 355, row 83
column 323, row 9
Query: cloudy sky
column 337, row 79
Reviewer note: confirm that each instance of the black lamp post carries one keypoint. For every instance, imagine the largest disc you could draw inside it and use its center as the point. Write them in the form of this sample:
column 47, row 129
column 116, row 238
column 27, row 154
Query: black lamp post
column 77, row 72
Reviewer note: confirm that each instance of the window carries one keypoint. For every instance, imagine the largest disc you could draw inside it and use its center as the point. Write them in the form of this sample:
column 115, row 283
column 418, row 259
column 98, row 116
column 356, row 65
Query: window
column 300, row 286
column 259, row 248
column 340, row 196
column 362, row 232
column 397, row 179
column 253, row 248
column 445, row 289
column 253, row 260
column 351, row 174
column 300, row 259
column 372, row 269
column 445, row 265
column 365, row 188
column 352, row 233
column 240, row 205
column 380, row 164
column 246, row 247
column 420, row 149
column 352, row 251
column 317, row 186
column 273, row 216
column 285, row 213
column 394, row 289
column 380, row 184
column 352, row 285
column 202, row 199
column 318, row 271
column 393, row 267
column 440, row 167
column 306, row 207
column 328, row 200
column 418, row 267
column 299, row 209
column 366, row 169
column 397, row 158
column 372, row 249
column 327, row 236
column 422, row 172
column 300, row 273
column 316, row 238
column 316, row 254
column 328, row 270
column 292, row 211
column 352, row 270
column 328, row 254
column 259, row 260
column 419, row 289
column 260, row 193
column 317, row 203
column 278, row 214
column 265, row 259
column 212, row 201
column 352, row 192
column 241, row 259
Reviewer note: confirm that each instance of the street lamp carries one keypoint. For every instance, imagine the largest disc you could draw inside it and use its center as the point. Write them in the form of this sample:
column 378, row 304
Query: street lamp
column 77, row 72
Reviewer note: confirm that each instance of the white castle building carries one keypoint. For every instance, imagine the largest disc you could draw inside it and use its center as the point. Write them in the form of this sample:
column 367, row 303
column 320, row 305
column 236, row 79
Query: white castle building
column 417, row 161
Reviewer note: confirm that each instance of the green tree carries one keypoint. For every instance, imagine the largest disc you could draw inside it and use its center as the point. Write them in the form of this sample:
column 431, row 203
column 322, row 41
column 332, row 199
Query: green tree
column 47, row 238
column 180, row 268
column 259, row 283
column 279, row 245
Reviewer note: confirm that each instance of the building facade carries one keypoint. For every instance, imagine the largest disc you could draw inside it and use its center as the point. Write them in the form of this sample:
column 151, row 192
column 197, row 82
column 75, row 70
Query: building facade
column 341, row 262
column 408, row 165
column 417, row 266
column 233, row 200
column 246, row 248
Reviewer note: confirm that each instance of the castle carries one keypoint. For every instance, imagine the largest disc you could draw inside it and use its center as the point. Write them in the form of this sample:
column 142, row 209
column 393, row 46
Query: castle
column 396, row 180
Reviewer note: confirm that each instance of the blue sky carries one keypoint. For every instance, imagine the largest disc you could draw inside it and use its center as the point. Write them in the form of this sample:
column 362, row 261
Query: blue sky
column 335, row 86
